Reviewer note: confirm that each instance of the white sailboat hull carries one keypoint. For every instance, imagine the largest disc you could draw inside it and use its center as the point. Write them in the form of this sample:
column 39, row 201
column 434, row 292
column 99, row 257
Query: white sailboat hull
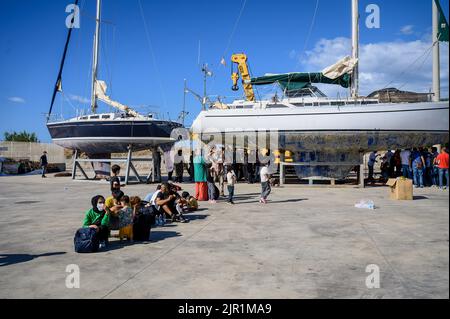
column 330, row 134
column 401, row 118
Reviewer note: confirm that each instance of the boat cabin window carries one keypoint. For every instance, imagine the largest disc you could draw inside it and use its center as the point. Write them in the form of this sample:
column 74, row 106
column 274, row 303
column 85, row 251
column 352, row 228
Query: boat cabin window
column 84, row 118
column 94, row 117
column 106, row 116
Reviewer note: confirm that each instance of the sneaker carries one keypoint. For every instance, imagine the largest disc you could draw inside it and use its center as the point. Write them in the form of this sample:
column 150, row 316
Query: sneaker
column 231, row 202
column 102, row 244
column 181, row 219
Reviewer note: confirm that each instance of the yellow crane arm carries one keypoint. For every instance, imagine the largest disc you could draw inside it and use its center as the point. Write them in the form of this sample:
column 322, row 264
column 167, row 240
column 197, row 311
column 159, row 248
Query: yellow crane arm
column 241, row 60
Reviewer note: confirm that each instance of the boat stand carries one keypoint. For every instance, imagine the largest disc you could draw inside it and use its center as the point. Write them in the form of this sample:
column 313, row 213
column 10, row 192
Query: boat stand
column 360, row 172
column 129, row 166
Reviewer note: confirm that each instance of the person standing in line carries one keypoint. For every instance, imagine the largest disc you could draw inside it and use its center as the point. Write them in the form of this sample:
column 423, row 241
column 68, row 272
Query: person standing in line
column 231, row 181
column 157, row 164
column 372, row 160
column 265, row 183
column 397, row 163
column 43, row 163
column 428, row 168
column 211, row 185
column 442, row 162
column 435, row 168
column 200, row 178
column 417, row 164
column 191, row 168
column 405, row 156
column 220, row 170
column 179, row 166
column 390, row 161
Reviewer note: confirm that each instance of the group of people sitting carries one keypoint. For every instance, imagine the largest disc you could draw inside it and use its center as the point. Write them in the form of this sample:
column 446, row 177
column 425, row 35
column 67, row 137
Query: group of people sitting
column 134, row 217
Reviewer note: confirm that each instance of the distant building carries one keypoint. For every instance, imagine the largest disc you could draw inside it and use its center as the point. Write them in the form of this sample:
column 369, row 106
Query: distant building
column 393, row 95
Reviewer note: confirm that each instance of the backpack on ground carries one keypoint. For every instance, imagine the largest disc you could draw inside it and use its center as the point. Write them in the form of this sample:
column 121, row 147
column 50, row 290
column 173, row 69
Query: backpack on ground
column 142, row 223
column 86, row 240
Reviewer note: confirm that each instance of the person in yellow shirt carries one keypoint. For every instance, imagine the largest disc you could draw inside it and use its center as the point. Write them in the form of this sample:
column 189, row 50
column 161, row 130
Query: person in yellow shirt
column 113, row 207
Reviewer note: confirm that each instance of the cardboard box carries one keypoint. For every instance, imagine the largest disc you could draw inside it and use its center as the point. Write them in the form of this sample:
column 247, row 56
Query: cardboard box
column 400, row 188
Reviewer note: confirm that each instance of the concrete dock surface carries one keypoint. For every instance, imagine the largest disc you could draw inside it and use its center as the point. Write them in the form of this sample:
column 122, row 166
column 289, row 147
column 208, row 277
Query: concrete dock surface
column 305, row 243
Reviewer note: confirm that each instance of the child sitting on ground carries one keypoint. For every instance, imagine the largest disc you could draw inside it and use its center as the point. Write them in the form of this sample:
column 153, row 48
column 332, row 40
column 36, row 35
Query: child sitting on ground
column 191, row 202
column 125, row 219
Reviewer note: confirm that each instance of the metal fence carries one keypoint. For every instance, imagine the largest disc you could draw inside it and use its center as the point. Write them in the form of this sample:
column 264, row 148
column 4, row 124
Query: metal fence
column 32, row 151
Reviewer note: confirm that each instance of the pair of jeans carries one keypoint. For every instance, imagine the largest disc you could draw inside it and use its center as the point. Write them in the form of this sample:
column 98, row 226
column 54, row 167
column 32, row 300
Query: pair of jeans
column 418, row 176
column 370, row 172
column 405, row 171
column 44, row 169
column 435, row 176
column 443, row 172
column 211, row 189
column 230, row 192
column 265, row 189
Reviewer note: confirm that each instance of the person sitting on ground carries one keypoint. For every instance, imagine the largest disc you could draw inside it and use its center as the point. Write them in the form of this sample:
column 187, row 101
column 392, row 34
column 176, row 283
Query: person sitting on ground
column 113, row 207
column 165, row 203
column 98, row 218
column 192, row 203
column 174, row 187
column 126, row 213
column 160, row 218
column 125, row 219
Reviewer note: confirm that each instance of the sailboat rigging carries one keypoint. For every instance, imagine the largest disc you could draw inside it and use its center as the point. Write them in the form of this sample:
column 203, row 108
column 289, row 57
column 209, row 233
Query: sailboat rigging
column 103, row 133
column 317, row 129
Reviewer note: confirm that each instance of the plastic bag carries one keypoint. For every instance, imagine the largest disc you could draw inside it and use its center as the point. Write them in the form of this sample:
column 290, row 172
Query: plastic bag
column 364, row 203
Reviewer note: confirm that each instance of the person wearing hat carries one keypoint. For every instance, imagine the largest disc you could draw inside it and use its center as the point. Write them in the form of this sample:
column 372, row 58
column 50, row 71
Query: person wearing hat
column 43, row 163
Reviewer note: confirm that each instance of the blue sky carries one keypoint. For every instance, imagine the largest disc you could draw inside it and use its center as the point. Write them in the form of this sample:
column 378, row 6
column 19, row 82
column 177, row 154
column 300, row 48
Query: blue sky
column 272, row 33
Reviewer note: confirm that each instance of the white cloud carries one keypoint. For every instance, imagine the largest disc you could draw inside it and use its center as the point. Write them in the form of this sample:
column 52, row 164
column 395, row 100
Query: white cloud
column 79, row 99
column 407, row 29
column 16, row 99
column 382, row 64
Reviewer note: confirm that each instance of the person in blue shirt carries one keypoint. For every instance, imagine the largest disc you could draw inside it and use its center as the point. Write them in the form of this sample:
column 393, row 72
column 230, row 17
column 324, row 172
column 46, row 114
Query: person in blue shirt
column 418, row 164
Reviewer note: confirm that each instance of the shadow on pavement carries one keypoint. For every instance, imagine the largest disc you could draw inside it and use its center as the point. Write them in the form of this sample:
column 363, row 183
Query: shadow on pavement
column 11, row 259
column 287, row 200
column 159, row 235
column 191, row 217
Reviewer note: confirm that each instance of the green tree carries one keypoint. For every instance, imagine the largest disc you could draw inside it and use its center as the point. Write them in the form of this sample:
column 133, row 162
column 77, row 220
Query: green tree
column 21, row 137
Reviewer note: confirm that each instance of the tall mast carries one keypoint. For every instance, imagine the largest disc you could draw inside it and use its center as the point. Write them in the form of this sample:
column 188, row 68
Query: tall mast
column 355, row 49
column 436, row 55
column 95, row 58
column 184, row 101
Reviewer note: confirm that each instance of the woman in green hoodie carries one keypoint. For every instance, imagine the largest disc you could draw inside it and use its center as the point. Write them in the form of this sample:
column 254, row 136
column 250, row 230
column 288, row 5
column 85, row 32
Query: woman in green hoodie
column 97, row 217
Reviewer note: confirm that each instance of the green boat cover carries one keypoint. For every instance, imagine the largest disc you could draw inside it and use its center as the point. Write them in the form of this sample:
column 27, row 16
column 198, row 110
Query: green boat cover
column 442, row 24
column 297, row 81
